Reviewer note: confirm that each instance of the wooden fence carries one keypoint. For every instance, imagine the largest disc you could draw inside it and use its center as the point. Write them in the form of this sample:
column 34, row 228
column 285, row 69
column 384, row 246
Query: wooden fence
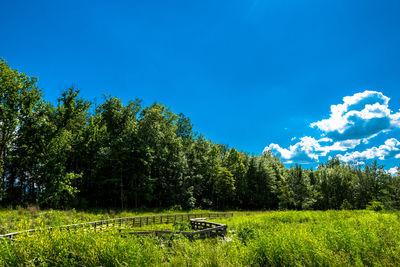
column 127, row 222
column 203, row 229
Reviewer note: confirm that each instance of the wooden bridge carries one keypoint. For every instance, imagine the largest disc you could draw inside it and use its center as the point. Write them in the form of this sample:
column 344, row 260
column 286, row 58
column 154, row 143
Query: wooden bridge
column 203, row 228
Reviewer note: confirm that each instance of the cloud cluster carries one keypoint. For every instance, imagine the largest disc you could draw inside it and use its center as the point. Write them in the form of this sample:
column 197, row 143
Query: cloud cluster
column 359, row 118
column 393, row 171
column 308, row 149
column 302, row 152
column 390, row 149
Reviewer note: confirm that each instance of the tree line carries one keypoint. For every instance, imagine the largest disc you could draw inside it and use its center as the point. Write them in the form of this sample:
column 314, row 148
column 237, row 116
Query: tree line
column 77, row 154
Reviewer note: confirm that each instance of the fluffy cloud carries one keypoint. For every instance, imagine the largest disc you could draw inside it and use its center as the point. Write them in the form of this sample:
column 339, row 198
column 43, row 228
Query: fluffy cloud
column 393, row 171
column 396, row 120
column 308, row 149
column 361, row 116
column 390, row 149
column 301, row 152
column 337, row 146
column 357, row 120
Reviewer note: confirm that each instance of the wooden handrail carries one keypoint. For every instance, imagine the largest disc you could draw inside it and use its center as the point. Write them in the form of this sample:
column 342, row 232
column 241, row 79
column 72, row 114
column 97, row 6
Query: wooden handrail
column 143, row 220
column 212, row 229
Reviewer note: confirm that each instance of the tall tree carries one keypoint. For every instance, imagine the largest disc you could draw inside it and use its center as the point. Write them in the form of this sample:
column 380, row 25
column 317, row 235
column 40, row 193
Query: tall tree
column 19, row 101
column 296, row 191
column 60, row 170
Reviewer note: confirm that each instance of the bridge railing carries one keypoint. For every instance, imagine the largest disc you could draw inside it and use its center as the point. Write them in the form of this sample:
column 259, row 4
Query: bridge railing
column 127, row 222
column 202, row 229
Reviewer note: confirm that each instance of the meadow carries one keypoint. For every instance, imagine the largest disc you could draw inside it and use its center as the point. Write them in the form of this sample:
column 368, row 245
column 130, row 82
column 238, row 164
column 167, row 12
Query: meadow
column 276, row 238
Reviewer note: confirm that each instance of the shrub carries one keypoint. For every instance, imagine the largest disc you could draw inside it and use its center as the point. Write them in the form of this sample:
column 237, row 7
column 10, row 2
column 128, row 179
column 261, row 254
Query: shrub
column 246, row 233
column 182, row 226
column 346, row 205
column 375, row 205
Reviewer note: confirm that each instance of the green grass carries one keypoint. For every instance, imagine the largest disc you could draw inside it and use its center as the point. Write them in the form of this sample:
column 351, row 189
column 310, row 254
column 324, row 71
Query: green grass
column 284, row 238
column 12, row 220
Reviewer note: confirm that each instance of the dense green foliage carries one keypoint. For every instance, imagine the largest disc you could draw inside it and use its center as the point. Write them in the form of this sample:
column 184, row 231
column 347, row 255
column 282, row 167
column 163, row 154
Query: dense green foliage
column 77, row 154
column 284, row 238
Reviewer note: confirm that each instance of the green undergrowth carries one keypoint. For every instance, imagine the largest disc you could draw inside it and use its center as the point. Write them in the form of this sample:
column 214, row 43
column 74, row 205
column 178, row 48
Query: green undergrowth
column 284, row 238
column 12, row 220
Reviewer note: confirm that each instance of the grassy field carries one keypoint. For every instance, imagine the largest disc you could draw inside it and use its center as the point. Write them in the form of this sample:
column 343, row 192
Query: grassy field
column 12, row 220
column 282, row 238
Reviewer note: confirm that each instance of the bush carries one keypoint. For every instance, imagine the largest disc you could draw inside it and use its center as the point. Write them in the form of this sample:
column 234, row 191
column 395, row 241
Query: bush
column 346, row 205
column 375, row 206
column 182, row 226
column 246, row 233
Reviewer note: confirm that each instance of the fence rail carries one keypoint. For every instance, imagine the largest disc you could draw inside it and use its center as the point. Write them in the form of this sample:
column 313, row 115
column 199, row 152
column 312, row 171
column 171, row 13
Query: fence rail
column 131, row 222
column 203, row 229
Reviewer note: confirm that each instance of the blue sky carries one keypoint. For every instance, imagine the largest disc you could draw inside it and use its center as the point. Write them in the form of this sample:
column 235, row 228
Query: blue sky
column 250, row 74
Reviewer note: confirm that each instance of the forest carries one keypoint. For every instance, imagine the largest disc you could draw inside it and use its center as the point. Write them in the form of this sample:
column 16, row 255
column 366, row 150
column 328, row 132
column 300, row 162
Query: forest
column 115, row 155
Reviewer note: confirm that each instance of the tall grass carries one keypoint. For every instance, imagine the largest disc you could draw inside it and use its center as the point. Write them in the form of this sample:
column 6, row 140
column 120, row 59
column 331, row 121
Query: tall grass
column 12, row 220
column 290, row 238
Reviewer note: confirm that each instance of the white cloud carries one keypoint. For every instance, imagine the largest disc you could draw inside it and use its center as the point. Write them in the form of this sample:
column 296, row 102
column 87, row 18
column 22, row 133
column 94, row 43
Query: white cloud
column 357, row 120
column 396, row 119
column 393, row 171
column 301, row 152
column 361, row 116
column 390, row 149
column 338, row 146
column 308, row 149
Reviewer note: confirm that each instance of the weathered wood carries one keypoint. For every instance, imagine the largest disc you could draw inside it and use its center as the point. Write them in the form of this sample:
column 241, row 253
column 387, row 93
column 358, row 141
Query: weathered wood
column 208, row 229
column 156, row 219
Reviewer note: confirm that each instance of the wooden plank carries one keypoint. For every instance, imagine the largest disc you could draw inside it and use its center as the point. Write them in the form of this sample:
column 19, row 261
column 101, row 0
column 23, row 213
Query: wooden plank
column 113, row 222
